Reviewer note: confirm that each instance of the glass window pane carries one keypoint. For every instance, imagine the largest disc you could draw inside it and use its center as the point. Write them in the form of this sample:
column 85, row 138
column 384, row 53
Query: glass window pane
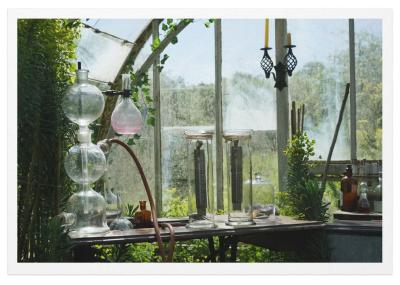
column 102, row 54
column 368, row 53
column 187, row 102
column 128, row 29
column 249, row 100
column 319, row 81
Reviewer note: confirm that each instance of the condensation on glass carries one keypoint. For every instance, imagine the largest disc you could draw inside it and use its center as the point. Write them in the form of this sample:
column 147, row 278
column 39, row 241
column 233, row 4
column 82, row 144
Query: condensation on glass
column 201, row 200
column 238, row 169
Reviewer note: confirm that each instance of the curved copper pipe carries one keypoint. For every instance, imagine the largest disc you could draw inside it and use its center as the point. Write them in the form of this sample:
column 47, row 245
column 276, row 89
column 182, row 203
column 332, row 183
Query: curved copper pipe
column 152, row 206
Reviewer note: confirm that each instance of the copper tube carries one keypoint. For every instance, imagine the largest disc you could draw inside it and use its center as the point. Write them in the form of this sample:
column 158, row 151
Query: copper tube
column 152, row 206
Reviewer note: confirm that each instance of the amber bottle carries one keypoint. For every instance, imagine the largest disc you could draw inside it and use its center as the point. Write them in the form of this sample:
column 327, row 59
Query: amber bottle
column 348, row 186
column 143, row 217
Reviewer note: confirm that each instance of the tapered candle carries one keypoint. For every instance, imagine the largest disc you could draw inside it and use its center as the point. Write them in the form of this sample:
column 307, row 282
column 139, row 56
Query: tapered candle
column 266, row 32
column 289, row 39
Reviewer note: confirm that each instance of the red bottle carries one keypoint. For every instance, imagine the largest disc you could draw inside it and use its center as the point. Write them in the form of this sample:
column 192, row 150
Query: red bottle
column 348, row 187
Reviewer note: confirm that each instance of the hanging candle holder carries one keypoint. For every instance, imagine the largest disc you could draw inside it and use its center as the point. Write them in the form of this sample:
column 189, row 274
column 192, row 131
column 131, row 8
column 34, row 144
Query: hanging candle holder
column 239, row 177
column 286, row 65
column 266, row 62
column 200, row 179
column 85, row 163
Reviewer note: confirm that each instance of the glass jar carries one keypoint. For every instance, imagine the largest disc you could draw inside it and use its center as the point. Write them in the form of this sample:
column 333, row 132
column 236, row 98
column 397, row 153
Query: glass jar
column 238, row 172
column 201, row 200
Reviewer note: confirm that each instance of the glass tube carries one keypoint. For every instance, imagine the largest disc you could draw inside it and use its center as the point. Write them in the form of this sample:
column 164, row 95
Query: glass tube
column 239, row 177
column 201, row 198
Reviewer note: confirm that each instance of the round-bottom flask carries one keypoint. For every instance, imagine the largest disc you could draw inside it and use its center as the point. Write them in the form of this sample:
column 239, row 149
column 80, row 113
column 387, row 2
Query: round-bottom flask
column 90, row 210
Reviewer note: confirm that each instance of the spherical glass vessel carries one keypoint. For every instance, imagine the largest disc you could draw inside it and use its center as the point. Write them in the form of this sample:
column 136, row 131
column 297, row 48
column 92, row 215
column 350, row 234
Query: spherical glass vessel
column 126, row 118
column 90, row 210
column 83, row 102
column 85, row 154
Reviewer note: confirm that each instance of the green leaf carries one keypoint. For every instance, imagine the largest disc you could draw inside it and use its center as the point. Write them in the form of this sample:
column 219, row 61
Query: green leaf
column 151, row 121
column 130, row 141
column 169, row 21
column 164, row 27
column 174, row 40
column 164, row 58
column 155, row 44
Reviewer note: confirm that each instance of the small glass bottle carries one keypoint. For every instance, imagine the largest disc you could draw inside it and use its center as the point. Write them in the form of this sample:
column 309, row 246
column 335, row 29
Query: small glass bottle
column 348, row 187
column 143, row 217
column 363, row 203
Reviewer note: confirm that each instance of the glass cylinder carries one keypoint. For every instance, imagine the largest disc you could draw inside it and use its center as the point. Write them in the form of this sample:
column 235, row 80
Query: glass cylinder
column 239, row 177
column 200, row 179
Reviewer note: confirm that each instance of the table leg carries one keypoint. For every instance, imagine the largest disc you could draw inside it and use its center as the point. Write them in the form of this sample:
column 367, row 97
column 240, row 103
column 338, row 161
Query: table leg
column 211, row 248
column 222, row 250
column 234, row 244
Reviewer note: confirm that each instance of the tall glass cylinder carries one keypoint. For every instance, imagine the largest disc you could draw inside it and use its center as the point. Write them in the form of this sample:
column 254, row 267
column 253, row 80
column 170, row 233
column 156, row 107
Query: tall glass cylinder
column 239, row 177
column 200, row 179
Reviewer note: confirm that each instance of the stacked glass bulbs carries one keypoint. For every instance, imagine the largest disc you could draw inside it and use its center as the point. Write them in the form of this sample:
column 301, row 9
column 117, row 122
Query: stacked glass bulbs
column 85, row 162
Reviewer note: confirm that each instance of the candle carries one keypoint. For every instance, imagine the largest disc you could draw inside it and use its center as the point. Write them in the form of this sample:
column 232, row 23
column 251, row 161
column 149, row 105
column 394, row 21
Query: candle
column 266, row 32
column 289, row 39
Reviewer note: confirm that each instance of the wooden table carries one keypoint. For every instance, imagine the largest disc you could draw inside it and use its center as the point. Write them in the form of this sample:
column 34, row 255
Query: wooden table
column 284, row 227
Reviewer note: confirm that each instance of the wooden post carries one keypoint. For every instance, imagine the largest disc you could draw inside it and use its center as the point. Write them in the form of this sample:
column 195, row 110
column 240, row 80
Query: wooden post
column 157, row 126
column 218, row 114
column 353, row 105
column 282, row 105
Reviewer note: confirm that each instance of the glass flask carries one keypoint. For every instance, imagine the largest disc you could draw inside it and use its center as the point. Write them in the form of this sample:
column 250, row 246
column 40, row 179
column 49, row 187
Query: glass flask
column 89, row 208
column 85, row 163
column 75, row 166
column 83, row 102
column 126, row 118
column 201, row 201
column 238, row 171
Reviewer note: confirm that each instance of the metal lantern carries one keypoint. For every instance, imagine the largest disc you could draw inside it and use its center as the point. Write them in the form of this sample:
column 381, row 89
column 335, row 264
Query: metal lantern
column 200, row 179
column 239, row 177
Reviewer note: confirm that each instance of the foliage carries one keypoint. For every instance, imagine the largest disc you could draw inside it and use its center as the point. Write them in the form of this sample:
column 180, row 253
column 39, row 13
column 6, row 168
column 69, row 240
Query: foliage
column 57, row 247
column 46, row 48
column 304, row 196
column 130, row 210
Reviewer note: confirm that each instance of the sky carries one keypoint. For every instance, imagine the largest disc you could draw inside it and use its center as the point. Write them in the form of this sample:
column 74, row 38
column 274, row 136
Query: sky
column 192, row 58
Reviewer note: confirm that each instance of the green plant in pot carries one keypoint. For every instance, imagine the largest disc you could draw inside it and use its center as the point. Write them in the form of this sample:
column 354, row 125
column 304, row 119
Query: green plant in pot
column 303, row 198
